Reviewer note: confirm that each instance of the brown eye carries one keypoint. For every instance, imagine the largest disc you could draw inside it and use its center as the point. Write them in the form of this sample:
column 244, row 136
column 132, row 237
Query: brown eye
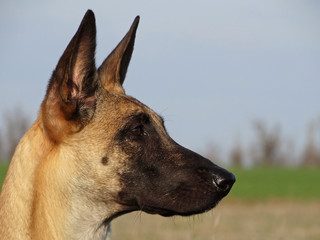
column 137, row 131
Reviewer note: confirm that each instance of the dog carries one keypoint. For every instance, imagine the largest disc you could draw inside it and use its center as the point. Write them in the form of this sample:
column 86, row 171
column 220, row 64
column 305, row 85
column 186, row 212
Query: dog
column 95, row 153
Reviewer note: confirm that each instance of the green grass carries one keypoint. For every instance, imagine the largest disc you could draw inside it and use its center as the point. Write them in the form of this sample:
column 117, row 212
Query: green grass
column 276, row 183
column 265, row 183
column 3, row 171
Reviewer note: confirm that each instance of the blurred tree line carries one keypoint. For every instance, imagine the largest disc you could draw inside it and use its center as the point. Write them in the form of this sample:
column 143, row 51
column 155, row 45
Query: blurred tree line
column 269, row 148
column 16, row 123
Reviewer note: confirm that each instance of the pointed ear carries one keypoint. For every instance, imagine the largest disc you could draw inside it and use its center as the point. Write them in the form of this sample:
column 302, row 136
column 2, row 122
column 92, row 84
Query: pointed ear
column 113, row 70
column 70, row 99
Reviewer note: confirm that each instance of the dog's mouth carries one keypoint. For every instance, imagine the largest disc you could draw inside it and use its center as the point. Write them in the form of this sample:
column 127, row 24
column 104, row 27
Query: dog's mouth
column 182, row 202
column 183, row 199
column 165, row 212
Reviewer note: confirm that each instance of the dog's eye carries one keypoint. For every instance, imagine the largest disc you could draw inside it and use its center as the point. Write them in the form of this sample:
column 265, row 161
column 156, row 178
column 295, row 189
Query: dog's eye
column 138, row 131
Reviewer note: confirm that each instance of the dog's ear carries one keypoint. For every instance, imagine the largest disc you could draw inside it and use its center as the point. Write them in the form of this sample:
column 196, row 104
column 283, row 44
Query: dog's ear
column 113, row 70
column 70, row 100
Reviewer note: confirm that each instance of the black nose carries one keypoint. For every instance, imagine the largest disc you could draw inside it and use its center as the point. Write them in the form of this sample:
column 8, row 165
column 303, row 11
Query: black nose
column 223, row 179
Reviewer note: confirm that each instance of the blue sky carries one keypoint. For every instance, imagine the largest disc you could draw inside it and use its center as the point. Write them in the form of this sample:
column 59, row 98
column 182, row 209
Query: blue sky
column 209, row 67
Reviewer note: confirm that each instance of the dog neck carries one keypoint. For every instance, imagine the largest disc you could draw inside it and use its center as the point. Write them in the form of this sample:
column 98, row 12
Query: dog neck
column 18, row 190
column 63, row 207
column 39, row 204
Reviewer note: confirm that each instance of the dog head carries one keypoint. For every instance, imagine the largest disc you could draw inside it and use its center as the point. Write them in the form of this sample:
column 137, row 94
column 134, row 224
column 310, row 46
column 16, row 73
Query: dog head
column 119, row 149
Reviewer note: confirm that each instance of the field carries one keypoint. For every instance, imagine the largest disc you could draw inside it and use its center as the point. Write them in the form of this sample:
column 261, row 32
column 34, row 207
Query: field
column 276, row 183
column 265, row 203
column 3, row 171
column 231, row 220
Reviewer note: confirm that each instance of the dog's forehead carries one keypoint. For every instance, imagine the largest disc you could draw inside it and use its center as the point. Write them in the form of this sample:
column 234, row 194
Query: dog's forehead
column 139, row 108
column 121, row 106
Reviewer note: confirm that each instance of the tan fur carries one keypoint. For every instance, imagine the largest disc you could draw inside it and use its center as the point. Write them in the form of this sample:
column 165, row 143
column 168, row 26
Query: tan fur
column 31, row 171
column 16, row 206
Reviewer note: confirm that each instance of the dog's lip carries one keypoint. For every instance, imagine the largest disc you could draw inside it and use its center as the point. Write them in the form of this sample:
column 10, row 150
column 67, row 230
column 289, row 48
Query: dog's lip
column 166, row 212
column 161, row 211
column 184, row 208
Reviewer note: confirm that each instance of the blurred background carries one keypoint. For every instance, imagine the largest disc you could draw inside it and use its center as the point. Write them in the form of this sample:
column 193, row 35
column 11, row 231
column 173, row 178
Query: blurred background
column 237, row 81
